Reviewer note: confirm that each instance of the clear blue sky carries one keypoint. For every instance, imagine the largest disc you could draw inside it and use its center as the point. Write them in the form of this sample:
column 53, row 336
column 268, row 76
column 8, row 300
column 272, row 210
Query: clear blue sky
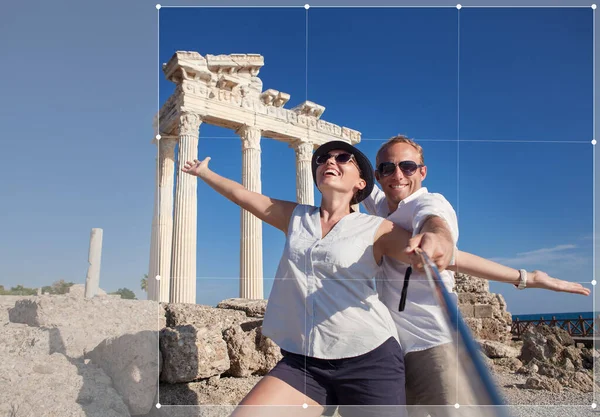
column 83, row 91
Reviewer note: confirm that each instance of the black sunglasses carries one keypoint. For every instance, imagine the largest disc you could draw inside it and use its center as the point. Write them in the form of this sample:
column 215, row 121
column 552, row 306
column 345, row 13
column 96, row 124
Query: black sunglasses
column 342, row 158
column 407, row 168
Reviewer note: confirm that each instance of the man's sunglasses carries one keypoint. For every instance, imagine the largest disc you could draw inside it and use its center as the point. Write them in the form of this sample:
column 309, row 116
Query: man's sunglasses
column 341, row 158
column 407, row 168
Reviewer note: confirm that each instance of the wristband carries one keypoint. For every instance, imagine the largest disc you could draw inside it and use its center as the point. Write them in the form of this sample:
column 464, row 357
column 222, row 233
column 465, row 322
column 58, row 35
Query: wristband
column 523, row 281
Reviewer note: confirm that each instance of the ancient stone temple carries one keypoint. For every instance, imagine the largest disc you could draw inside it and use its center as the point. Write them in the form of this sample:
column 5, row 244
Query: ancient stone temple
column 222, row 90
column 484, row 312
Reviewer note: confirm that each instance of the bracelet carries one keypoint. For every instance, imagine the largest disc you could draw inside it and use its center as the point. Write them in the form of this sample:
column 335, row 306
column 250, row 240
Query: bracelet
column 523, row 279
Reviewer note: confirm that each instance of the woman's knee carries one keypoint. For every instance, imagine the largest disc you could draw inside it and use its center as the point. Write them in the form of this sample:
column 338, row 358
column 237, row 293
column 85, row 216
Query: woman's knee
column 271, row 391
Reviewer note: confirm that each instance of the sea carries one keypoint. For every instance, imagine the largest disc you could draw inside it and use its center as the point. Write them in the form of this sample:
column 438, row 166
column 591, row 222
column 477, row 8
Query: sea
column 559, row 316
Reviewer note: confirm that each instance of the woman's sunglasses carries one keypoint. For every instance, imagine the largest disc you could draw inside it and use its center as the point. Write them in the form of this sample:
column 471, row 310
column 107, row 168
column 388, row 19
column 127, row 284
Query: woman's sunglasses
column 341, row 158
column 407, row 167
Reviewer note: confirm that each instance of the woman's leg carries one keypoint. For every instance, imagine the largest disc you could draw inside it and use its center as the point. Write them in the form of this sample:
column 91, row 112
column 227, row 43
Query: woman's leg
column 272, row 397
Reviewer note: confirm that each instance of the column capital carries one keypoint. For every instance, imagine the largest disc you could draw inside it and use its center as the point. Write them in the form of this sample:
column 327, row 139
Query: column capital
column 189, row 123
column 304, row 150
column 250, row 136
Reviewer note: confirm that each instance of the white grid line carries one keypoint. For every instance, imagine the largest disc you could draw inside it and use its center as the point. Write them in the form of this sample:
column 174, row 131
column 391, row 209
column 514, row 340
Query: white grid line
column 383, row 407
column 594, row 325
column 158, row 250
column 208, row 277
column 368, row 7
column 525, row 7
column 579, row 142
column 224, row 6
column 493, row 141
column 457, row 171
column 306, row 296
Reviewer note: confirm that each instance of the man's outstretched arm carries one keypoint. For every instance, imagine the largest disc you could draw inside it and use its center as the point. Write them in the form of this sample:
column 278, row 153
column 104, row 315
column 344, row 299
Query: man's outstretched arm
column 483, row 268
column 480, row 267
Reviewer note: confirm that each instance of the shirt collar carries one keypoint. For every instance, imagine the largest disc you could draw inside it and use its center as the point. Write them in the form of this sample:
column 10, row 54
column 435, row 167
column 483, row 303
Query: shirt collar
column 419, row 192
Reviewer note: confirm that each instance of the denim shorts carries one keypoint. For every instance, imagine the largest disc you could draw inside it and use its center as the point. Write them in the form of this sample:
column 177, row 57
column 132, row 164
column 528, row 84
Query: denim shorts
column 357, row 385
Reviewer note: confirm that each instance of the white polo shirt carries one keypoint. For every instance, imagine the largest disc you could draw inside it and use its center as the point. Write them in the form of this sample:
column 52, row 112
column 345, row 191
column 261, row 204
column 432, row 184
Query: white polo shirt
column 324, row 301
column 422, row 324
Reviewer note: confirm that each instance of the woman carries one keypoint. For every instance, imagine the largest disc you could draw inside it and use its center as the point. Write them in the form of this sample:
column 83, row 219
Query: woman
column 339, row 341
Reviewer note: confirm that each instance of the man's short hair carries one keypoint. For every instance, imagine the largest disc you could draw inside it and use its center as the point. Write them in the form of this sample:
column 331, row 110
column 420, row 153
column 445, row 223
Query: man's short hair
column 400, row 139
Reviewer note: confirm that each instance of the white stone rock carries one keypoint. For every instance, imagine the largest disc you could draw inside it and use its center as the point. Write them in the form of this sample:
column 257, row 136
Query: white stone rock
column 52, row 385
column 494, row 349
column 133, row 363
column 80, row 324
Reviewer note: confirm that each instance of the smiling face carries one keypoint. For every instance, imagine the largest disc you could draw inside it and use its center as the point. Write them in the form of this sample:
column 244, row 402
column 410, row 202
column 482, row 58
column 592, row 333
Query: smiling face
column 340, row 177
column 398, row 186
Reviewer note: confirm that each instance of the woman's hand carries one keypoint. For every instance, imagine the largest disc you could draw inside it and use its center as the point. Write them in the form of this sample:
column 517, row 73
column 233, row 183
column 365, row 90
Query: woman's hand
column 540, row 279
column 196, row 167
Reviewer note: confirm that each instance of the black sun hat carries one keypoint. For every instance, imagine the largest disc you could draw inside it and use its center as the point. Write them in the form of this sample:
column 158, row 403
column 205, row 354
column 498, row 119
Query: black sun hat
column 366, row 169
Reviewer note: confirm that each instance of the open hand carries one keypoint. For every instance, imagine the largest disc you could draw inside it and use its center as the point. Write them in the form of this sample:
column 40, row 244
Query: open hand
column 540, row 279
column 196, row 167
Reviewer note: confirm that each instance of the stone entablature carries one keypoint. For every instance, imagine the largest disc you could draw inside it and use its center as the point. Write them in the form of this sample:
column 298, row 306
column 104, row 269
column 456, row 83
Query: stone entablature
column 229, row 96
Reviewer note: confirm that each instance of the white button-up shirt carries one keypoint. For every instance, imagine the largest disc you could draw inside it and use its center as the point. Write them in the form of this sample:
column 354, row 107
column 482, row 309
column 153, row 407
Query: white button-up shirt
column 422, row 324
column 324, row 301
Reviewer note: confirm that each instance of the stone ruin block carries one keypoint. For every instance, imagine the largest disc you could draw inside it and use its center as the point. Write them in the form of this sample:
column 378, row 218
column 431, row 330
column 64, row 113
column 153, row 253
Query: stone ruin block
column 79, row 324
column 467, row 310
column 484, row 312
column 192, row 352
column 467, row 284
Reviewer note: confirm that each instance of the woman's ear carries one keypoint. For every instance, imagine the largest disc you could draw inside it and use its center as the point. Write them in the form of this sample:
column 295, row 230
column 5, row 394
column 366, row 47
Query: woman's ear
column 362, row 184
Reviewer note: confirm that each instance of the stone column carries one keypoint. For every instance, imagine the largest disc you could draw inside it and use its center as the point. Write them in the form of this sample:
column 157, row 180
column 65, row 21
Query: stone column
column 183, row 261
column 92, row 280
column 304, row 180
column 251, row 267
column 151, row 284
column 165, row 217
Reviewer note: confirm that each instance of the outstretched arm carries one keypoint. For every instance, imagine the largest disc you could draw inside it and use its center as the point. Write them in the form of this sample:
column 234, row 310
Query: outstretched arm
column 490, row 270
column 275, row 212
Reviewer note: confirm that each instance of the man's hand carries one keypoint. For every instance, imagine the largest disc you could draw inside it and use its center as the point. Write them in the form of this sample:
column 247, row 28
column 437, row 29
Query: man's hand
column 540, row 279
column 436, row 245
column 196, row 167
column 435, row 240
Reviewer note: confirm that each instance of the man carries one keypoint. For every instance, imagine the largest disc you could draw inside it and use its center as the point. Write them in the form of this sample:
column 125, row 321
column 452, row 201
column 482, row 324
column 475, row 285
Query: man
column 433, row 375
column 426, row 338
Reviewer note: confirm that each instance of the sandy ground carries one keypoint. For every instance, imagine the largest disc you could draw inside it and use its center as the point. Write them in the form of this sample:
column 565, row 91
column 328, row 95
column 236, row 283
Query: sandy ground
column 523, row 402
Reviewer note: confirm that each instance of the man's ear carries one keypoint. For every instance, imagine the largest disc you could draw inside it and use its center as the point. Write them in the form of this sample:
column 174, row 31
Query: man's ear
column 423, row 172
column 377, row 177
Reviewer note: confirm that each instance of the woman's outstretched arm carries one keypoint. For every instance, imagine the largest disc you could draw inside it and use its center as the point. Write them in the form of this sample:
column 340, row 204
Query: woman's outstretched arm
column 490, row 270
column 277, row 213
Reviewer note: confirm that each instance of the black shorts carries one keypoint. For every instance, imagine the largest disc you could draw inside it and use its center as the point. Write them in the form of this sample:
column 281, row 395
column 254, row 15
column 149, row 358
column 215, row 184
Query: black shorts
column 360, row 383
